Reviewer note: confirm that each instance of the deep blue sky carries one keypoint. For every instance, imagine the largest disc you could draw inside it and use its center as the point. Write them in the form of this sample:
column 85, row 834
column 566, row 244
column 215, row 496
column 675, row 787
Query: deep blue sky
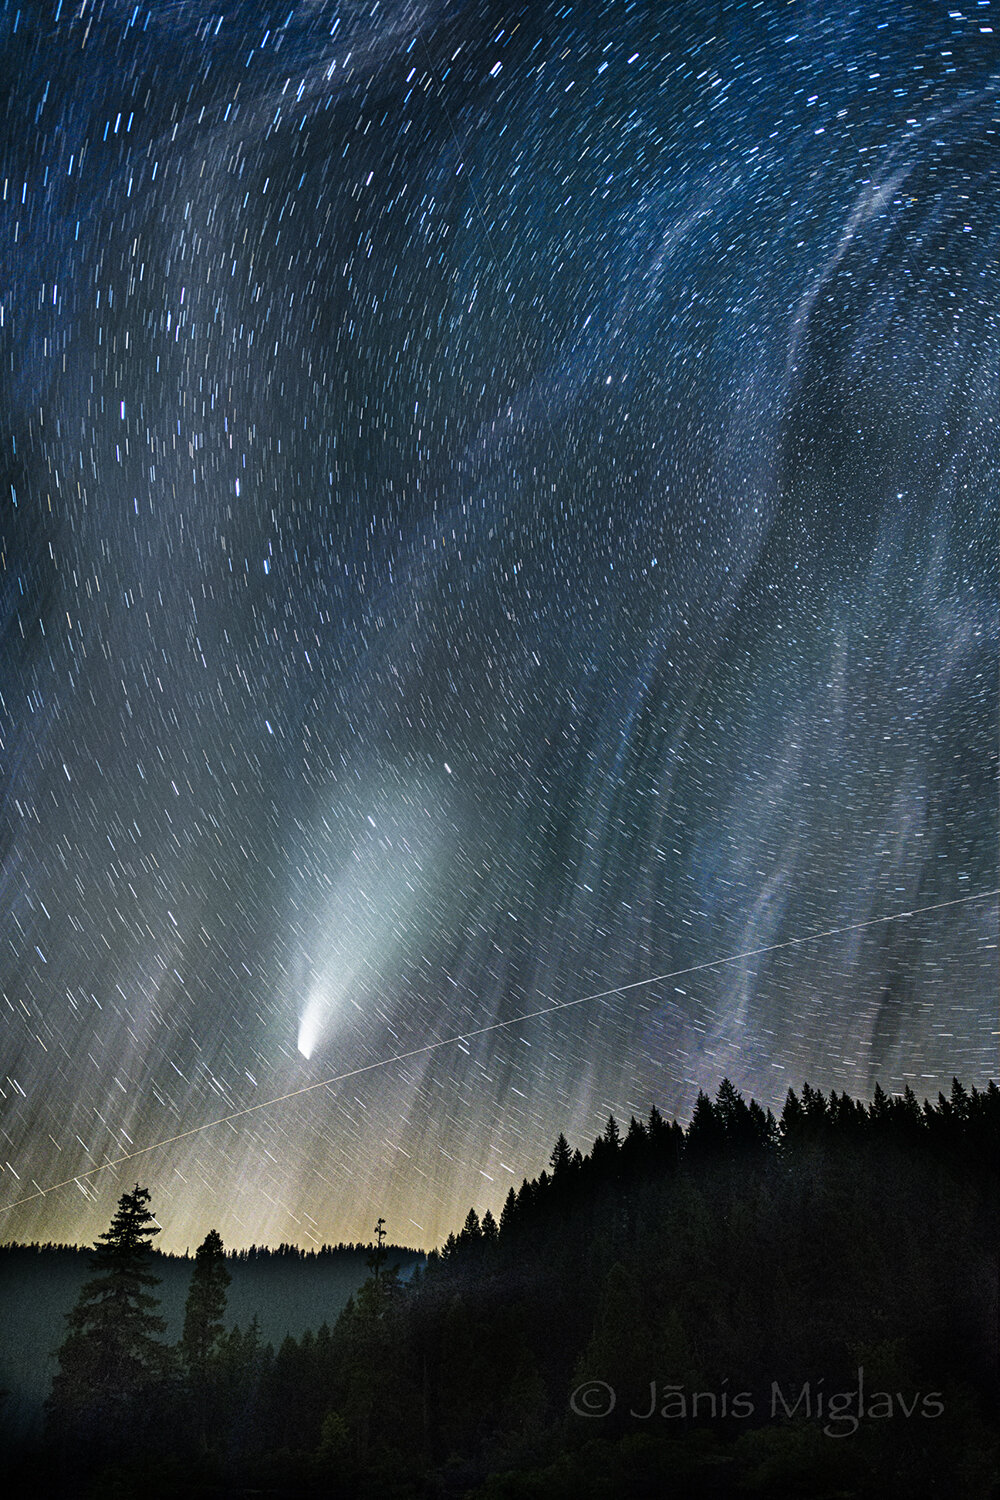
column 498, row 503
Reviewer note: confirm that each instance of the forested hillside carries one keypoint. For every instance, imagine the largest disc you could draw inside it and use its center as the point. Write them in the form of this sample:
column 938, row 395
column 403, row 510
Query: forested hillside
column 804, row 1306
column 288, row 1290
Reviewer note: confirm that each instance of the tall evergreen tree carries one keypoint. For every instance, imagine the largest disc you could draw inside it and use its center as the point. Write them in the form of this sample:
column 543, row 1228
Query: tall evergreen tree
column 489, row 1228
column 364, row 1343
column 377, row 1254
column 509, row 1212
column 204, row 1327
column 112, row 1354
column 706, row 1134
column 205, row 1308
column 560, row 1158
column 471, row 1229
column 792, row 1119
column 383, row 1285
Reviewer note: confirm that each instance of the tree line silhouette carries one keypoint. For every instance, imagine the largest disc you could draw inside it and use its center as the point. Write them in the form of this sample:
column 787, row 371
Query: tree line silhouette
column 741, row 1253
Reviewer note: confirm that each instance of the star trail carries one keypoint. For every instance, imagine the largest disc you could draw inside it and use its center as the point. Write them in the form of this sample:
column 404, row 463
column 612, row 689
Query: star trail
column 498, row 503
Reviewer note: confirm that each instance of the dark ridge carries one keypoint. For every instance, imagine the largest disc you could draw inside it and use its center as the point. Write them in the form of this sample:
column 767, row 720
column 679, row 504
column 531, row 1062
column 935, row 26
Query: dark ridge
column 697, row 1311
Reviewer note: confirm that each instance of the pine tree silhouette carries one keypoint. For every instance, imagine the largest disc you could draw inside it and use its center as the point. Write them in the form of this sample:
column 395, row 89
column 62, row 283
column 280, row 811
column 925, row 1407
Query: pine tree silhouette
column 201, row 1342
column 489, row 1229
column 205, row 1308
column 112, row 1354
column 560, row 1158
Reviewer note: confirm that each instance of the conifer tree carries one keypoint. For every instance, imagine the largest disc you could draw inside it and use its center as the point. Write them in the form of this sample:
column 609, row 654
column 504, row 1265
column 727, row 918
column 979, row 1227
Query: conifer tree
column 489, row 1228
column 364, row 1341
column 205, row 1308
column 112, row 1355
column 792, row 1119
column 560, row 1158
column 706, row 1133
column 377, row 1254
column 471, row 1229
column 383, row 1284
column 509, row 1212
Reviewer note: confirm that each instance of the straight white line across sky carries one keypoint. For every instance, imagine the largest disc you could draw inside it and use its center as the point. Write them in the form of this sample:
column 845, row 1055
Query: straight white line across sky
column 463, row 1036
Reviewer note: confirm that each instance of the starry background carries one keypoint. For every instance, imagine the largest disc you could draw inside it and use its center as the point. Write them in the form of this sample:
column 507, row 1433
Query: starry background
column 498, row 502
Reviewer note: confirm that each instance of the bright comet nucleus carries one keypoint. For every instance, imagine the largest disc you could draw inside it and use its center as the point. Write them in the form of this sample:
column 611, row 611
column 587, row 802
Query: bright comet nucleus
column 369, row 898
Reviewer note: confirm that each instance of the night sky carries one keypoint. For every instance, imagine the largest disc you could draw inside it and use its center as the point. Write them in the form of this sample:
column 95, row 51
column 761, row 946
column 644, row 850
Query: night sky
column 498, row 502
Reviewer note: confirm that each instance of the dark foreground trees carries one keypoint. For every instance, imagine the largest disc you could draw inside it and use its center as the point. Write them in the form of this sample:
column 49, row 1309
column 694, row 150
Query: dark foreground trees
column 112, row 1358
column 119, row 1388
column 201, row 1342
column 672, row 1313
column 205, row 1310
column 666, row 1274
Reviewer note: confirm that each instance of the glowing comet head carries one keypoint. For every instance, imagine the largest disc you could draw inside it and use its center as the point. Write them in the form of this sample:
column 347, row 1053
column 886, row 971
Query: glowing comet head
column 308, row 1032
column 366, row 901
column 326, row 998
